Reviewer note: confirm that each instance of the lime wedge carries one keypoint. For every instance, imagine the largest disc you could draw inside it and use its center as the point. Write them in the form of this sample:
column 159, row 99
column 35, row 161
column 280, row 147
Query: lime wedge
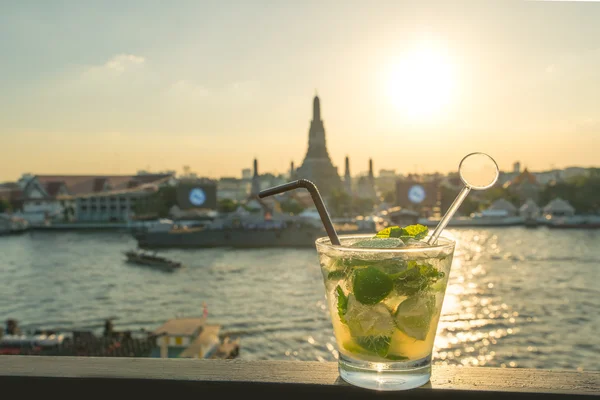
column 370, row 285
column 413, row 316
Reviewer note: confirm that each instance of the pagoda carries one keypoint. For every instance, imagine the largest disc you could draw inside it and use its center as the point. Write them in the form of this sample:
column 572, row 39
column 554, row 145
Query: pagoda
column 317, row 166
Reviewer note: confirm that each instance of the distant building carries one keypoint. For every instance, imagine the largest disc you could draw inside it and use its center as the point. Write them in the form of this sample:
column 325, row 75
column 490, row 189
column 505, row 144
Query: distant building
column 387, row 173
column 366, row 185
column 317, row 166
column 386, row 181
column 194, row 195
column 87, row 197
column 11, row 192
column 525, row 186
column 530, row 210
column 417, row 195
column 233, row 189
column 247, row 173
column 504, row 206
column 559, row 208
column 517, row 168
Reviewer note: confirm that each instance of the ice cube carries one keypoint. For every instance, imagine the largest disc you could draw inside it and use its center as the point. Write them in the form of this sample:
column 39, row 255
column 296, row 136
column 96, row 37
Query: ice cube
column 415, row 243
column 366, row 320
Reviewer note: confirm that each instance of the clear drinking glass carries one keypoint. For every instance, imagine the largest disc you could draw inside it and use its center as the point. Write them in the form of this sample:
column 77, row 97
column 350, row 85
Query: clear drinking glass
column 385, row 305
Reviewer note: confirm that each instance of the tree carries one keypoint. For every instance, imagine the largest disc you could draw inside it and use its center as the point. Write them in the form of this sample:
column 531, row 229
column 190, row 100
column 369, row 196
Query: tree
column 68, row 212
column 291, row 206
column 226, row 206
column 5, row 206
column 362, row 206
column 469, row 205
column 340, row 203
column 582, row 192
column 158, row 203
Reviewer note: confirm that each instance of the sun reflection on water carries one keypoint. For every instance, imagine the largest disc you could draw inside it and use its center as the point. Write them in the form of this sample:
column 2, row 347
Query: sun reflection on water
column 473, row 318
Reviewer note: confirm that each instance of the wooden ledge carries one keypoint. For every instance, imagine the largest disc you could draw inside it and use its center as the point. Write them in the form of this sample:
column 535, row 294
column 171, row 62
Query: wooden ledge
column 135, row 378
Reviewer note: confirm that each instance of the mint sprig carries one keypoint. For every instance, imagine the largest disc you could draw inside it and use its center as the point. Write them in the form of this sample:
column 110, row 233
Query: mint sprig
column 415, row 278
column 417, row 232
column 342, row 303
column 370, row 285
column 379, row 345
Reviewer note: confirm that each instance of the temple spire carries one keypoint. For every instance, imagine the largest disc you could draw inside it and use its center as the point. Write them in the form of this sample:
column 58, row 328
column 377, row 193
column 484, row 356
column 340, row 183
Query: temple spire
column 255, row 180
column 316, row 109
column 347, row 177
column 347, row 171
column 317, row 165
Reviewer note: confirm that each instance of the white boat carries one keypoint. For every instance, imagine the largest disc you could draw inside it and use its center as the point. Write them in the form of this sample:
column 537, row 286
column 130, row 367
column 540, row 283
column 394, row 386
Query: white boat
column 485, row 218
column 573, row 222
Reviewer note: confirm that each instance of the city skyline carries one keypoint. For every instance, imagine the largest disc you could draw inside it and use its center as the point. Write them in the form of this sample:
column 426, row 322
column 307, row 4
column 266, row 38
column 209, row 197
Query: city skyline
column 105, row 89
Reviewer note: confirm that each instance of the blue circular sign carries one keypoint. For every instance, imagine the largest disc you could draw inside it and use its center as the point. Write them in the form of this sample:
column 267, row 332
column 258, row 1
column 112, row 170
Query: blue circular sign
column 416, row 194
column 197, row 196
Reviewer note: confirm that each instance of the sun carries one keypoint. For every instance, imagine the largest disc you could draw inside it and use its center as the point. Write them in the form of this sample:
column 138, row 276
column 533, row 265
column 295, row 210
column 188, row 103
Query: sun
column 421, row 82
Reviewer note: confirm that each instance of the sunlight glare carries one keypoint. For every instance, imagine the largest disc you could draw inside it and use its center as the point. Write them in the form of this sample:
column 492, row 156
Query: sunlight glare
column 421, row 83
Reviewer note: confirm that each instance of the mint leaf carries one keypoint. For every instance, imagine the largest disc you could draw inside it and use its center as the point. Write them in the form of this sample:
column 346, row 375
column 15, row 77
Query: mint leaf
column 415, row 278
column 342, row 303
column 379, row 345
column 395, row 357
column 371, row 285
column 392, row 231
column 370, row 345
column 416, row 232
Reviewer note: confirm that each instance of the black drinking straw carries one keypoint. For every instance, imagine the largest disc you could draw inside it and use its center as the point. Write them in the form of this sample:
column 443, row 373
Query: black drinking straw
column 316, row 197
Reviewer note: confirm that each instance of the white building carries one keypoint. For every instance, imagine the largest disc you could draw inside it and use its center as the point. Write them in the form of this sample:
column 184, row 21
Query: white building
column 559, row 208
column 233, row 188
column 502, row 206
column 529, row 210
column 87, row 198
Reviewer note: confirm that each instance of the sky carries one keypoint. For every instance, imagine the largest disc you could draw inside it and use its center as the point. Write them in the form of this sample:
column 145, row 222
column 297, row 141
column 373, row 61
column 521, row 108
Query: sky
column 113, row 87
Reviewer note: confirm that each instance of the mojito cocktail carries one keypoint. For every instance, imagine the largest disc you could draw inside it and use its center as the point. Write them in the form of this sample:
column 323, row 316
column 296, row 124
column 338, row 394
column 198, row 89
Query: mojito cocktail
column 385, row 295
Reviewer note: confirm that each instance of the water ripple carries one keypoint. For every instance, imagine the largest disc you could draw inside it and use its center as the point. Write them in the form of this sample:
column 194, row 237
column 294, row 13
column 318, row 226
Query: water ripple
column 517, row 297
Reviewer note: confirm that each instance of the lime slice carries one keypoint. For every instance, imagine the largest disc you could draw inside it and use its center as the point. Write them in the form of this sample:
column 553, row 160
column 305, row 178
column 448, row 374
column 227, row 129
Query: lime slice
column 413, row 316
column 384, row 243
column 370, row 285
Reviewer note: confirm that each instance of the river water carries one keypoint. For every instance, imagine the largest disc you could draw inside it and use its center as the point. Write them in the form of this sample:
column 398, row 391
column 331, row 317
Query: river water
column 517, row 297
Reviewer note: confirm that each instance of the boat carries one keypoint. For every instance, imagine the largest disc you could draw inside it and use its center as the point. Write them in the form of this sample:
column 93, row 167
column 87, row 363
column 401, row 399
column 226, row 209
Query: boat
column 573, row 222
column 483, row 219
column 193, row 338
column 143, row 258
column 12, row 225
column 176, row 338
column 250, row 231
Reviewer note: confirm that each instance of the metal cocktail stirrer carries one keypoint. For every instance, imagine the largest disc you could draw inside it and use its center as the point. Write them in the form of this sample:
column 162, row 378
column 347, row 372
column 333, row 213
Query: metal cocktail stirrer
column 316, row 197
column 477, row 171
